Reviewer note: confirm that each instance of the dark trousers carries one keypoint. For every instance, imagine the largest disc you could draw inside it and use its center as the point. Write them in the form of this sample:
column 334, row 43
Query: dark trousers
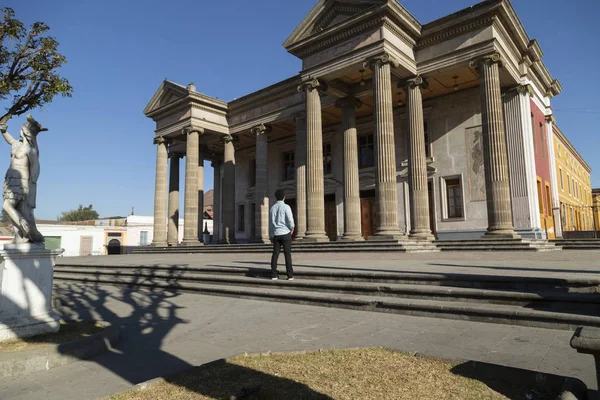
column 286, row 242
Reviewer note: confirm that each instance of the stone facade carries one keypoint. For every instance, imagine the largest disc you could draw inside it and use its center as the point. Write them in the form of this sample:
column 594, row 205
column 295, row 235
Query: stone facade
column 393, row 130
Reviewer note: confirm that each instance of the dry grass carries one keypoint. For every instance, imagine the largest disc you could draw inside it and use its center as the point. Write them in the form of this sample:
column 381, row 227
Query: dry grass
column 340, row 374
column 68, row 332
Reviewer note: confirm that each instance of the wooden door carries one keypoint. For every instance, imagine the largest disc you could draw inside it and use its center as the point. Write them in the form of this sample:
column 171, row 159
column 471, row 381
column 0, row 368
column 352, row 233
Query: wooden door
column 331, row 220
column 432, row 217
column 86, row 245
column 368, row 213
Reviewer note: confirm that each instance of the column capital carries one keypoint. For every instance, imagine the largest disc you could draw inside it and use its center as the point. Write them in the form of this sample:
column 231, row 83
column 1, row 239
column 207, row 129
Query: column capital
column 525, row 89
column 299, row 115
column 348, row 102
column 175, row 155
column 261, row 129
column 312, row 84
column 414, row 82
column 383, row 58
column 161, row 140
column 193, row 129
column 235, row 139
column 551, row 119
column 488, row 59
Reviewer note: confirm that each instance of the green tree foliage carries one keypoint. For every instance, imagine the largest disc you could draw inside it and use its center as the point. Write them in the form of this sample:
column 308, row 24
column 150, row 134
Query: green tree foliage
column 80, row 214
column 29, row 63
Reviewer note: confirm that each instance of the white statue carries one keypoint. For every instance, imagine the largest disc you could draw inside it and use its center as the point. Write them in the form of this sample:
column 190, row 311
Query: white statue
column 20, row 181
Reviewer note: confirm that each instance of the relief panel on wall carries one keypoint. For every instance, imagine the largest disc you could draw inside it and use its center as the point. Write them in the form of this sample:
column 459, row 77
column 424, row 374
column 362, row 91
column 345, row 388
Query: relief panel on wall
column 475, row 166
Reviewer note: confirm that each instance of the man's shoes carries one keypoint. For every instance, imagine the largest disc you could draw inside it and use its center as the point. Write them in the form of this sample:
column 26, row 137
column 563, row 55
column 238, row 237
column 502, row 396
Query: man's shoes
column 290, row 279
column 274, row 278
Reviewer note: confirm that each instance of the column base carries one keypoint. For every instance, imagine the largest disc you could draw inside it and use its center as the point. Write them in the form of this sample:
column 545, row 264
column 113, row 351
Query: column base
column 159, row 244
column 316, row 238
column 501, row 234
column 352, row 238
column 386, row 237
column 261, row 240
column 191, row 242
column 227, row 241
column 422, row 236
column 173, row 244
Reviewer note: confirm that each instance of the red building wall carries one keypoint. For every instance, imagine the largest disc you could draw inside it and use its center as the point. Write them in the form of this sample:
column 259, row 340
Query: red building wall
column 542, row 157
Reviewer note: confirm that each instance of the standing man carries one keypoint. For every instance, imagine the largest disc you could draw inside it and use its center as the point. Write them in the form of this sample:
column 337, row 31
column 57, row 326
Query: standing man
column 281, row 227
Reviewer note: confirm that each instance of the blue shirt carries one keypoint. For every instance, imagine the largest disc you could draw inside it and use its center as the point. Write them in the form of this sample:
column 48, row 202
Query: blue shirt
column 281, row 220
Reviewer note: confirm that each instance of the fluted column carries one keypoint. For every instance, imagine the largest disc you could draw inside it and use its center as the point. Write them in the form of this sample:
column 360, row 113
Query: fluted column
column 500, row 224
column 417, row 160
column 300, row 163
column 190, row 212
column 315, row 191
column 173, row 226
column 385, row 152
column 352, row 218
column 229, row 189
column 261, row 187
column 160, row 193
column 216, row 201
column 200, row 193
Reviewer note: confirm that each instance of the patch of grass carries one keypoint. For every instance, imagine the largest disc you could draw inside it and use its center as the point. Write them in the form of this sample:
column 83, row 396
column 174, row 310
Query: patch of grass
column 340, row 374
column 68, row 332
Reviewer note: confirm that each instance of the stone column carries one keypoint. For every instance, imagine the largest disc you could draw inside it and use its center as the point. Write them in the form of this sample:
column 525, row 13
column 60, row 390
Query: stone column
column 385, row 151
column 190, row 212
column 173, row 228
column 229, row 190
column 216, row 201
column 554, row 184
column 261, row 187
column 300, row 161
column 417, row 161
column 352, row 217
column 160, row 193
column 200, row 193
column 500, row 224
column 315, row 191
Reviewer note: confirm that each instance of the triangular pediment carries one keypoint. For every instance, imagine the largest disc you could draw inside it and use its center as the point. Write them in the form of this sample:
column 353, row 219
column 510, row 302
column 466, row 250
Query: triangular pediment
column 168, row 92
column 326, row 14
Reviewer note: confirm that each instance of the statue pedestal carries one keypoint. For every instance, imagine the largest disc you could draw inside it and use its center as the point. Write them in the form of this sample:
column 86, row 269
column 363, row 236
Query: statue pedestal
column 26, row 272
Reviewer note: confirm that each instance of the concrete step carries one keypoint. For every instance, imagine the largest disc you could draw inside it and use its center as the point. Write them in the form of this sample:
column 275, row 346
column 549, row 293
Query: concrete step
column 572, row 302
column 454, row 280
column 483, row 312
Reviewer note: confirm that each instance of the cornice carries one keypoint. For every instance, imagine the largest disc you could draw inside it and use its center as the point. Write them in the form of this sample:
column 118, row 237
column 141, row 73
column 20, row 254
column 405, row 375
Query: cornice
column 388, row 23
column 453, row 31
column 270, row 94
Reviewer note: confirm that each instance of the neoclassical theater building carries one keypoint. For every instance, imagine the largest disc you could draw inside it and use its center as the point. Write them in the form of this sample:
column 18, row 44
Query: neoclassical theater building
column 392, row 130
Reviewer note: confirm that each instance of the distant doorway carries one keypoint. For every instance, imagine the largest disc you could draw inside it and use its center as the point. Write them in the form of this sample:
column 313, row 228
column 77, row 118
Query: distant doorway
column 330, row 217
column 368, row 213
column 114, row 247
column 85, row 245
column 432, row 216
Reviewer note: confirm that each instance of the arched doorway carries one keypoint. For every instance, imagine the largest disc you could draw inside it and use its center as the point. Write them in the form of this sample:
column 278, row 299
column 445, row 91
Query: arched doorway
column 114, row 247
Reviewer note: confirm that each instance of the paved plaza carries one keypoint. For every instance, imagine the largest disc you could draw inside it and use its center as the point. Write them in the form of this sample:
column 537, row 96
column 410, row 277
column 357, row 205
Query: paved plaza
column 165, row 332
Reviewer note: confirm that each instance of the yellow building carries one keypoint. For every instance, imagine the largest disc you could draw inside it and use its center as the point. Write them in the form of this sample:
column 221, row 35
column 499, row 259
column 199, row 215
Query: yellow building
column 596, row 204
column 574, row 185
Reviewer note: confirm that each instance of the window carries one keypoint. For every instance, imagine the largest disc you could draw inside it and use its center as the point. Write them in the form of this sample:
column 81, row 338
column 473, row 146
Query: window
column 252, row 173
column 535, row 150
column 327, row 159
column 540, row 197
column 289, row 169
column 366, row 151
column 427, row 141
column 548, row 201
column 52, row 242
column 543, row 141
column 454, row 203
column 562, row 186
column 144, row 238
column 569, row 183
column 241, row 219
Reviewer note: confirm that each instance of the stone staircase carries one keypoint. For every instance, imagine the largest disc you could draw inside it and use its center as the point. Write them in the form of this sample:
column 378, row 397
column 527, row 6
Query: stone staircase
column 401, row 246
column 578, row 244
column 498, row 245
column 517, row 300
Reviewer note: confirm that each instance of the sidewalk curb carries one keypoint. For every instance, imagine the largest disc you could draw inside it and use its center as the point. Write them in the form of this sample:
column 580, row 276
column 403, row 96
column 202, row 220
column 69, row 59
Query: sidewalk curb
column 27, row 361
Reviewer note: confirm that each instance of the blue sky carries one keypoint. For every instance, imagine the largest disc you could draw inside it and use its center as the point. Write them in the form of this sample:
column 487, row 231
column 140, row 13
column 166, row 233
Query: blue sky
column 99, row 148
